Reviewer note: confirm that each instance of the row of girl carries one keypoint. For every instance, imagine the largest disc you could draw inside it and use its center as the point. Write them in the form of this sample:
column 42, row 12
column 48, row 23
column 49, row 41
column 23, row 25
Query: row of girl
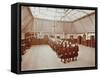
column 65, row 50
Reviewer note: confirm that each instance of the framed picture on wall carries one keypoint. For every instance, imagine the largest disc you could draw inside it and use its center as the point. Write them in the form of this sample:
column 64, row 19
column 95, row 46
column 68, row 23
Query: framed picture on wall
column 51, row 38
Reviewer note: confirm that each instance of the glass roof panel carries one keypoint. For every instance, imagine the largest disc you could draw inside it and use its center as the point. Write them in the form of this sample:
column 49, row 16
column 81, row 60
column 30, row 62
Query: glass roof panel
column 59, row 14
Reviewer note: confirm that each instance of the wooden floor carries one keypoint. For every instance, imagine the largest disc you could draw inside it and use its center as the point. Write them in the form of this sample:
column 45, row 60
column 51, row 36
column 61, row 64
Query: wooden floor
column 43, row 57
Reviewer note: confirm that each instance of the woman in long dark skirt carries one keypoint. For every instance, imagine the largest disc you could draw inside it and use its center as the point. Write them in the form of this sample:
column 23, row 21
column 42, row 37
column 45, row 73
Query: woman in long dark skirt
column 76, row 51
